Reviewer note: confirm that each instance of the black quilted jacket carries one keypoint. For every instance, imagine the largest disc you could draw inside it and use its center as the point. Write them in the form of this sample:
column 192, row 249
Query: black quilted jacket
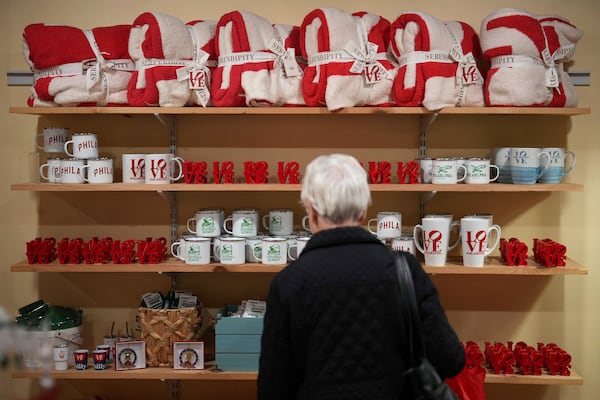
column 333, row 328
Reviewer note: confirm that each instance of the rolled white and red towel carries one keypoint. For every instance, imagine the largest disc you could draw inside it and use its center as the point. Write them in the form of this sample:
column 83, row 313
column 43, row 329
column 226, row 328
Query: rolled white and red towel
column 255, row 67
column 347, row 61
column 526, row 53
column 438, row 62
column 174, row 61
column 76, row 67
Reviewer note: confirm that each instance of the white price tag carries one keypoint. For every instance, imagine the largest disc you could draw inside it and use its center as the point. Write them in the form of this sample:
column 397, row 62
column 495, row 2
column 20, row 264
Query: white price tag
column 153, row 300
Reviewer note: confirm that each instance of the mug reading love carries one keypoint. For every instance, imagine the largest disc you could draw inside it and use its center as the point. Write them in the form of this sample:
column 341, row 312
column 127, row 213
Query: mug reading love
column 475, row 236
column 134, row 168
column 525, row 164
column 556, row 164
column 162, row 169
column 431, row 239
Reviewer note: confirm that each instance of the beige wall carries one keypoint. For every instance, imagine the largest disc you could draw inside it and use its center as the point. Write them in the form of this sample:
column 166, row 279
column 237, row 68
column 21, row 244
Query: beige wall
column 558, row 309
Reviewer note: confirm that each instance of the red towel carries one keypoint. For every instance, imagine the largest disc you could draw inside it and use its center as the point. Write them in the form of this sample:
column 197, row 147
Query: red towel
column 245, row 61
column 438, row 62
column 73, row 67
column 173, row 61
column 347, row 61
column 524, row 69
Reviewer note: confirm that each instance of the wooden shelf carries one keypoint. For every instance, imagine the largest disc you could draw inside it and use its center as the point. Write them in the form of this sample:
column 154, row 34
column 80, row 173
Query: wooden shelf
column 276, row 187
column 454, row 267
column 211, row 374
column 300, row 110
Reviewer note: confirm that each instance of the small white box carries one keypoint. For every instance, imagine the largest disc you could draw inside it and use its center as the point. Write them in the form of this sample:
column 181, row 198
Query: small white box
column 188, row 355
column 130, row 355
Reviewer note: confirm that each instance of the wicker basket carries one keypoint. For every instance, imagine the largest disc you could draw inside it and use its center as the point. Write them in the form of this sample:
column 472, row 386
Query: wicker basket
column 160, row 328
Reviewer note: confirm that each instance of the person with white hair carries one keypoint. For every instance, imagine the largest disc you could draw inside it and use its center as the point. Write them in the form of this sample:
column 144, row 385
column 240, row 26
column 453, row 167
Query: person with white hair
column 333, row 327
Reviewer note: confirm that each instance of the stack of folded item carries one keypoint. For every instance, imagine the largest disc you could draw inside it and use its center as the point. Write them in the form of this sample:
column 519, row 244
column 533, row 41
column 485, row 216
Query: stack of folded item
column 76, row 67
column 174, row 61
column 255, row 68
column 527, row 53
column 347, row 61
column 438, row 62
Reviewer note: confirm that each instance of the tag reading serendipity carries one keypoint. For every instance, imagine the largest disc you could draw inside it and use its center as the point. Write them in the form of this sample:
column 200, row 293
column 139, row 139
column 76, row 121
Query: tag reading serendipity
column 92, row 76
column 153, row 300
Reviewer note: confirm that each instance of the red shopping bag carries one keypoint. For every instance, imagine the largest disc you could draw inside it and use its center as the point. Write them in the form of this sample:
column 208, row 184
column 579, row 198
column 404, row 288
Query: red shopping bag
column 469, row 383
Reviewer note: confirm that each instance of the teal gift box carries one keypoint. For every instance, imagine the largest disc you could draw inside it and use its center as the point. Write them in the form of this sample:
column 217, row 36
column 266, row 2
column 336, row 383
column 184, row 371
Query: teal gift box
column 237, row 341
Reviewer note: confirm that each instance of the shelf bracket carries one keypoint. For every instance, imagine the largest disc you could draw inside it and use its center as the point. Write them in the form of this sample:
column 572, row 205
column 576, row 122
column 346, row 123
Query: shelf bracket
column 425, row 123
column 424, row 198
column 171, row 198
column 170, row 122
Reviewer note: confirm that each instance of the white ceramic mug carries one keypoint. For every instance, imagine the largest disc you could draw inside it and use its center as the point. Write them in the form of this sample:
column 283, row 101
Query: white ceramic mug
column 388, row 225
column 295, row 249
column 159, row 169
column 479, row 171
column 274, row 250
column 85, row 145
column 52, row 166
column 99, row 170
column 61, row 357
column 244, row 223
column 54, row 140
column 425, row 169
column 306, row 223
column 72, row 170
column 206, row 222
column 431, row 239
column 476, row 245
column 231, row 250
column 501, row 159
column 445, row 171
column 279, row 222
column 134, row 168
column 404, row 243
column 195, row 251
column 525, row 164
column 254, row 249
column 453, row 226
column 557, row 157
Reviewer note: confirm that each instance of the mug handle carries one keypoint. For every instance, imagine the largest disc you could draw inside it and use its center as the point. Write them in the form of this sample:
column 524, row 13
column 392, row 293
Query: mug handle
column 495, row 167
column 462, row 178
column 37, row 142
column 455, row 224
column 189, row 227
column 491, row 248
column 175, row 250
column 572, row 163
column 369, row 225
column 179, row 161
column 265, row 219
column 83, row 174
column 230, row 218
column 289, row 251
column 418, row 238
column 42, row 171
column 546, row 165
column 66, row 147
column 305, row 223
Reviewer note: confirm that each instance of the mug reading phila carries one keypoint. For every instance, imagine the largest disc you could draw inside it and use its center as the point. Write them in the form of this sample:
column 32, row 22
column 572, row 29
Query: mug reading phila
column 85, row 146
column 54, row 140
column 389, row 224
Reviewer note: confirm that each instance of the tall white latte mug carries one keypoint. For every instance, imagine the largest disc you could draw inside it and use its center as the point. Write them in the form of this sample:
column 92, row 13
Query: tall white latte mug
column 475, row 236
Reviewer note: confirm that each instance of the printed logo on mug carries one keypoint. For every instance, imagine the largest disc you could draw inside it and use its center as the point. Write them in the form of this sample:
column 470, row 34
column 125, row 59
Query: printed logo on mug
column 160, row 168
column 52, row 167
column 72, row 170
column 525, row 165
column 243, row 223
column 196, row 250
column 85, row 146
column 431, row 238
column 478, row 171
column 279, row 221
column 99, row 170
column 389, row 224
column 134, row 168
column 557, row 161
column 54, row 140
column 446, row 171
column 475, row 234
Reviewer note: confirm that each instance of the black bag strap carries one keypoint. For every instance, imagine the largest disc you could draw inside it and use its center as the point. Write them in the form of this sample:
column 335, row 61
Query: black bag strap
column 408, row 303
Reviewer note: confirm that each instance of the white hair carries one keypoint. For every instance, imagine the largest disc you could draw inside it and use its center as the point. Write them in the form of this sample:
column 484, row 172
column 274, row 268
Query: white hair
column 336, row 186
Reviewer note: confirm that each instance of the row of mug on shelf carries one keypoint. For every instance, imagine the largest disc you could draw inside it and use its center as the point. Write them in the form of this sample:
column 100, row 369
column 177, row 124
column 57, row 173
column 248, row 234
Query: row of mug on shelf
column 138, row 168
column 519, row 165
column 83, row 145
